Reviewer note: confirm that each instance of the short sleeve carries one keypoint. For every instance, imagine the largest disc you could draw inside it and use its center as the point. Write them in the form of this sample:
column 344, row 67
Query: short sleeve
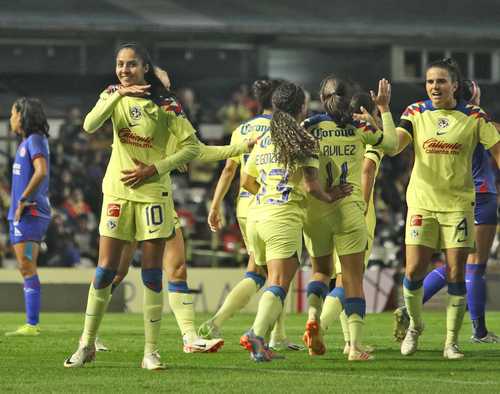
column 236, row 139
column 407, row 121
column 37, row 146
column 374, row 155
column 177, row 121
column 488, row 134
column 250, row 166
column 312, row 161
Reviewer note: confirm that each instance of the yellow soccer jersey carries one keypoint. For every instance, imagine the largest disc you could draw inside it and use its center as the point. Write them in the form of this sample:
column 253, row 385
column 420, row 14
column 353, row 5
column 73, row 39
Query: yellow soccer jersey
column 444, row 141
column 141, row 130
column 280, row 194
column 252, row 129
column 341, row 156
column 376, row 156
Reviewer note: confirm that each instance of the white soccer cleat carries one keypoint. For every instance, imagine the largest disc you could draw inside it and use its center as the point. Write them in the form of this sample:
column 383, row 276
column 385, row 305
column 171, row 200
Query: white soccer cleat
column 279, row 345
column 200, row 345
column 208, row 330
column 100, row 346
column 490, row 337
column 84, row 354
column 151, row 362
column 452, row 352
column 410, row 343
column 364, row 348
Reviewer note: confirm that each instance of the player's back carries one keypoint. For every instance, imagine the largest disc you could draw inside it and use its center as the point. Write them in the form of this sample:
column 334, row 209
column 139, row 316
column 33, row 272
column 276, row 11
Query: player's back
column 341, row 155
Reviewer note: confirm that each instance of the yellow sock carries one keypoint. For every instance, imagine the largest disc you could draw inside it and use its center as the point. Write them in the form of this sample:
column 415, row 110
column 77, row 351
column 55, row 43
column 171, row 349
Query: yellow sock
column 355, row 323
column 332, row 308
column 97, row 303
column 315, row 306
column 270, row 307
column 153, row 309
column 236, row 300
column 345, row 327
column 279, row 332
column 413, row 301
column 455, row 312
column 183, row 308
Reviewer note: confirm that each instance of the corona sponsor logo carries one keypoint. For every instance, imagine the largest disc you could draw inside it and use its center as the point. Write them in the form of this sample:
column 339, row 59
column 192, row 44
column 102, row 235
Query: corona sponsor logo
column 127, row 136
column 322, row 133
column 433, row 145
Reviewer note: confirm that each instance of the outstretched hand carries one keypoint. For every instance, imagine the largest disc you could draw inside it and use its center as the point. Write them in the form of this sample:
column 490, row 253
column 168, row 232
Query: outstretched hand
column 162, row 75
column 133, row 178
column 365, row 116
column 383, row 96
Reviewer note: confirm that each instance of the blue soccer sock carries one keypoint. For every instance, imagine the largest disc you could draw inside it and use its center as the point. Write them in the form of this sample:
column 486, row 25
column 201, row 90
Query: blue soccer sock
column 433, row 282
column 476, row 297
column 32, row 299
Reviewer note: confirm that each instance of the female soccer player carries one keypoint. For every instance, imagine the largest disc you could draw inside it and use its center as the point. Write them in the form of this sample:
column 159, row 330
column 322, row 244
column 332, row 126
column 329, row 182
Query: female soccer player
column 485, row 220
column 342, row 143
column 444, row 131
column 136, row 204
column 284, row 158
column 29, row 212
column 255, row 276
column 333, row 304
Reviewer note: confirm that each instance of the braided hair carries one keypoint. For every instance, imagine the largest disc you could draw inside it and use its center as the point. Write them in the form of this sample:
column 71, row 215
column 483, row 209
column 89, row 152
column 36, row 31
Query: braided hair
column 292, row 142
column 453, row 69
column 336, row 97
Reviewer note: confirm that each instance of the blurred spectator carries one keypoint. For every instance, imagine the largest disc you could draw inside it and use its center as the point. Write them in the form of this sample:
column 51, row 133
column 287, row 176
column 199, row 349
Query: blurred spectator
column 233, row 114
column 191, row 108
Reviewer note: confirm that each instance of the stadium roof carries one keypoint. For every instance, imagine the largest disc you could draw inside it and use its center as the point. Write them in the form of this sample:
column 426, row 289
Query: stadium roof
column 434, row 19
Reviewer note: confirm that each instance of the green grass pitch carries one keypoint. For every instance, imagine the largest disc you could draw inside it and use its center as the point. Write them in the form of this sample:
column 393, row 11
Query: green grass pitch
column 36, row 364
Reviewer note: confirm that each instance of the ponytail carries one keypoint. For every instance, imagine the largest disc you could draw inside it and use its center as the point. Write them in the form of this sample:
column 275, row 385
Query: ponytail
column 336, row 95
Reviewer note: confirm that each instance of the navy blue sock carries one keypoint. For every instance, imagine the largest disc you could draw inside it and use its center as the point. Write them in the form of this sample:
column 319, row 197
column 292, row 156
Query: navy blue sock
column 152, row 278
column 317, row 287
column 433, row 282
column 258, row 279
column 32, row 299
column 476, row 297
column 178, row 287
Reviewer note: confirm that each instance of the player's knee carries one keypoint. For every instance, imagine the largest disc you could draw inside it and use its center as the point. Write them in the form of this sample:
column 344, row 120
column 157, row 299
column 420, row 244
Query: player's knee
column 152, row 278
column 103, row 277
column 27, row 268
column 176, row 271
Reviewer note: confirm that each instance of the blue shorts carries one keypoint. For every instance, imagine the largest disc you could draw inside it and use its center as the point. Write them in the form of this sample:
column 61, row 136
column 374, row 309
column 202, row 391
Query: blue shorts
column 29, row 228
column 485, row 210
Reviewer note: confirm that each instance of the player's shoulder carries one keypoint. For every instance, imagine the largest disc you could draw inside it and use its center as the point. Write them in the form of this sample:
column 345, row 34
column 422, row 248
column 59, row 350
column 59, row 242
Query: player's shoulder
column 363, row 126
column 171, row 105
column 418, row 107
column 471, row 110
column 259, row 124
column 317, row 119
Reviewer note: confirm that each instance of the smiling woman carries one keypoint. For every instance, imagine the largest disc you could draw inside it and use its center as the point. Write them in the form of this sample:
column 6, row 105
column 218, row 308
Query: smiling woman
column 445, row 130
column 137, row 205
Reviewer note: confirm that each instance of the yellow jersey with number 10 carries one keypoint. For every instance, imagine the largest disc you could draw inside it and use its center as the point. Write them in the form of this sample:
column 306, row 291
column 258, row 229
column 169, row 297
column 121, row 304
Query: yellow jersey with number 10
column 444, row 141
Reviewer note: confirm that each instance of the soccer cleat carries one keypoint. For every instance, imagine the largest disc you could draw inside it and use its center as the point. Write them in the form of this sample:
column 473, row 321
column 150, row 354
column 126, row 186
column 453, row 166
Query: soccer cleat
column 313, row 339
column 151, row 362
column 359, row 355
column 401, row 323
column 208, row 330
column 256, row 346
column 100, row 346
column 200, row 345
column 279, row 345
column 410, row 342
column 452, row 352
column 489, row 338
column 27, row 330
column 84, row 354
column 364, row 348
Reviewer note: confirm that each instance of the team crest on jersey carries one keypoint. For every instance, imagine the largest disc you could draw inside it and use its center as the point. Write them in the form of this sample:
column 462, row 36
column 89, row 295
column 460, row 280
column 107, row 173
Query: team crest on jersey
column 22, row 152
column 414, row 233
column 416, row 220
column 112, row 224
column 135, row 112
column 113, row 210
column 442, row 124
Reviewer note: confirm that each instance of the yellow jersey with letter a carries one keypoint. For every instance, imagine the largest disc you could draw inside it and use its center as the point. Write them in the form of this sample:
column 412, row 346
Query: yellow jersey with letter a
column 341, row 157
column 254, row 128
column 141, row 130
column 444, row 141
column 281, row 193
